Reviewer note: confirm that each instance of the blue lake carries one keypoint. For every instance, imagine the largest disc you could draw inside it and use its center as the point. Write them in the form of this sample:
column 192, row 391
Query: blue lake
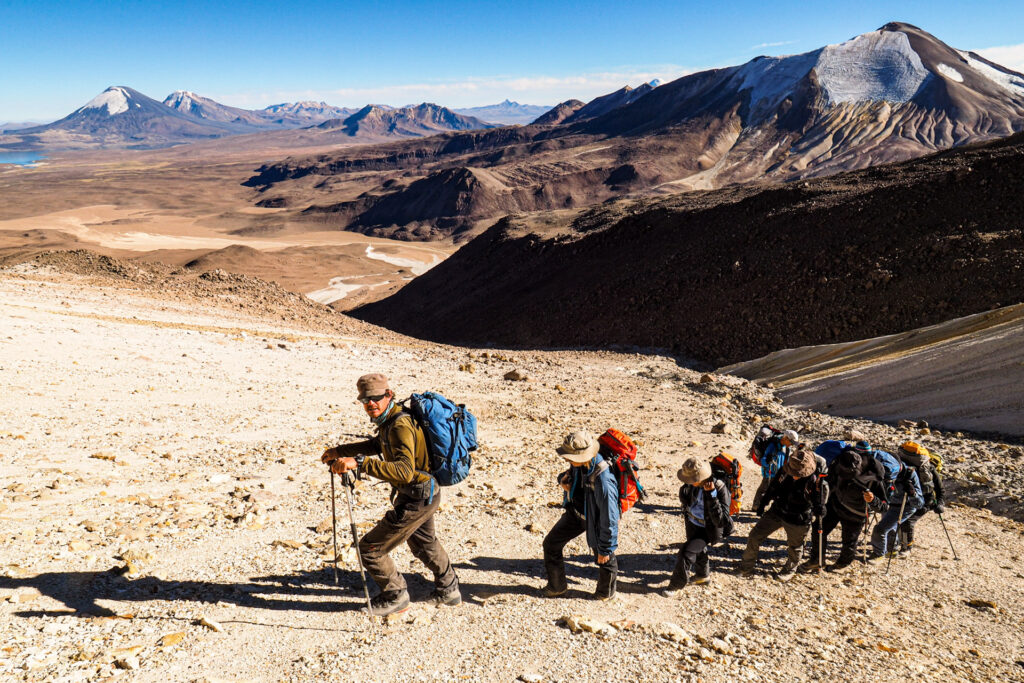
column 21, row 158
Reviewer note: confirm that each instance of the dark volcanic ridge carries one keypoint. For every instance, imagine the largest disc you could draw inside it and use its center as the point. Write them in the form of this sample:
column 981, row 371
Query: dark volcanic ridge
column 734, row 274
column 888, row 95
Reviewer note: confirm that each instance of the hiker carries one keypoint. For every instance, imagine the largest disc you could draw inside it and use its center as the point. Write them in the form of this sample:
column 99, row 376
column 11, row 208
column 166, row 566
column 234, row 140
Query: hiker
column 903, row 497
column 795, row 502
column 415, row 496
column 854, row 482
column 924, row 462
column 776, row 451
column 706, row 502
column 591, row 503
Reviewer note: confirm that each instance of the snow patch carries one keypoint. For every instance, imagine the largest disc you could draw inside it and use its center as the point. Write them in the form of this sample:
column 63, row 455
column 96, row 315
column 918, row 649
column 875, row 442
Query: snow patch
column 416, row 266
column 337, row 289
column 772, row 79
column 1010, row 82
column 114, row 99
column 950, row 73
column 876, row 66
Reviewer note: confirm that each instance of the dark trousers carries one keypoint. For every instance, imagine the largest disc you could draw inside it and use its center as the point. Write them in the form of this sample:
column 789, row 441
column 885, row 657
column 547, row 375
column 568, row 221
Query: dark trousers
column 907, row 528
column 568, row 527
column 411, row 521
column 692, row 556
column 762, row 488
column 850, row 533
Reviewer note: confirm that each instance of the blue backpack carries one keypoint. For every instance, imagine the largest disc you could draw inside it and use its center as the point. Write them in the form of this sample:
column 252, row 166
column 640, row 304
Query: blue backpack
column 451, row 435
column 830, row 450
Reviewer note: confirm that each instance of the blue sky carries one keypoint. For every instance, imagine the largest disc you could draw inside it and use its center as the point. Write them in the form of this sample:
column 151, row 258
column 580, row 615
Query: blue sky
column 55, row 56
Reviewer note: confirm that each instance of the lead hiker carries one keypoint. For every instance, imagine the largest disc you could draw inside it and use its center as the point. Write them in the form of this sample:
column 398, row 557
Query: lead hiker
column 795, row 500
column 403, row 463
column 771, row 449
column 927, row 465
column 591, row 503
column 706, row 501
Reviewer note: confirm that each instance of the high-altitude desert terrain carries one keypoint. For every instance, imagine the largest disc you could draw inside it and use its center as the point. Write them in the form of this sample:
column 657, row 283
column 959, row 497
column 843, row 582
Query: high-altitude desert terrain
column 167, row 518
column 188, row 292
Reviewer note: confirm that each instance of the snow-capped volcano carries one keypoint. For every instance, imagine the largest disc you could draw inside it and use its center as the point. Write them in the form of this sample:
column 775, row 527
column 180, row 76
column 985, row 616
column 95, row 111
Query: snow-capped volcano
column 243, row 120
column 114, row 100
column 119, row 117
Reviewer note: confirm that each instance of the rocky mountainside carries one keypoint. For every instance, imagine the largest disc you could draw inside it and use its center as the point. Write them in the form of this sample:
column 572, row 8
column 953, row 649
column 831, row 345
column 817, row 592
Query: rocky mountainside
column 730, row 275
column 888, row 95
column 505, row 113
column 306, row 113
column 386, row 122
column 559, row 113
column 166, row 516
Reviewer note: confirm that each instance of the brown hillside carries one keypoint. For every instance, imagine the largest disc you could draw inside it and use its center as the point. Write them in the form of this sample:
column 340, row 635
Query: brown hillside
column 734, row 274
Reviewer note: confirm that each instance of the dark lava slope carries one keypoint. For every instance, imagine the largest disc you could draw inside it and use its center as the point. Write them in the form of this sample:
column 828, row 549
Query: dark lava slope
column 732, row 274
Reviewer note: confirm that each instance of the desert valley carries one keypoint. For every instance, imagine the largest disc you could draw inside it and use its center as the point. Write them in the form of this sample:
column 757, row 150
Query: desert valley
column 824, row 241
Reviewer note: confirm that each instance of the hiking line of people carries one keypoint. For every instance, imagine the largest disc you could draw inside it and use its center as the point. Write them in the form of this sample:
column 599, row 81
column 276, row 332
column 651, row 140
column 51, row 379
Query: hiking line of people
column 424, row 443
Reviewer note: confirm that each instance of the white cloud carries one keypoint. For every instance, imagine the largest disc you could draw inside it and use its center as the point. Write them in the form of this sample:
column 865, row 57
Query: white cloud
column 469, row 92
column 776, row 44
column 1010, row 56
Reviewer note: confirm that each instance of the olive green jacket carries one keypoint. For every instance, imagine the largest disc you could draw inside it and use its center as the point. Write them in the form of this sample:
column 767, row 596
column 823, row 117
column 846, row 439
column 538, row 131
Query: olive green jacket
column 400, row 442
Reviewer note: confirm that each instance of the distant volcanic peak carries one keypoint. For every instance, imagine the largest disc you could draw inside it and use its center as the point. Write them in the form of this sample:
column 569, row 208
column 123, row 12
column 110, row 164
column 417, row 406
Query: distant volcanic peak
column 115, row 99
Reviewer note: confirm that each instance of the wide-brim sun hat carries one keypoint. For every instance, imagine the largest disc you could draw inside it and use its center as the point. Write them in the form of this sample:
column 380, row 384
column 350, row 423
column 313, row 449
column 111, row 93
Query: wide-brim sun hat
column 578, row 447
column 800, row 464
column 694, row 470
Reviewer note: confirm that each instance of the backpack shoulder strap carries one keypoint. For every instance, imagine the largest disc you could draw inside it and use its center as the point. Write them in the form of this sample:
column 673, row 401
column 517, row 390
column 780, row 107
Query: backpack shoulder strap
column 592, row 478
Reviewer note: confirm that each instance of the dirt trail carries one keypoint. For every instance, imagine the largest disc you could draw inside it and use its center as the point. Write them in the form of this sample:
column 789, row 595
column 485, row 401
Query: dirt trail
column 159, row 465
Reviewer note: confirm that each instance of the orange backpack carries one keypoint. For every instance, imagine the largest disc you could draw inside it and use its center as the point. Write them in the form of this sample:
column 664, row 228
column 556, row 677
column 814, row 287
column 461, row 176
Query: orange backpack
column 619, row 452
column 729, row 469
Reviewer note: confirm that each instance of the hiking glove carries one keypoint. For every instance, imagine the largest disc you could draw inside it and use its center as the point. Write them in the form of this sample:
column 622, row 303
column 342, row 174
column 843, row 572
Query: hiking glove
column 939, row 508
column 819, row 512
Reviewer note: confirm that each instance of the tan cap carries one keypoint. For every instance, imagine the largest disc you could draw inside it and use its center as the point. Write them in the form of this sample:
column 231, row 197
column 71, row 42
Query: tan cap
column 694, row 470
column 800, row 464
column 578, row 447
column 374, row 384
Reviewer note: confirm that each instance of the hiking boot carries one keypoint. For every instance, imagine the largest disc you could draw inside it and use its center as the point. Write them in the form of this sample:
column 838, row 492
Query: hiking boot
column 448, row 598
column 550, row 592
column 905, row 551
column 809, row 567
column 701, row 579
column 839, row 565
column 389, row 603
column 873, row 558
column 672, row 592
column 603, row 597
column 786, row 573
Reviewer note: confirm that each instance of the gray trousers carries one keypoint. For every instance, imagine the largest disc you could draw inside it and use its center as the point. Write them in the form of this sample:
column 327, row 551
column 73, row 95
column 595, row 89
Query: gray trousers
column 410, row 521
column 796, row 534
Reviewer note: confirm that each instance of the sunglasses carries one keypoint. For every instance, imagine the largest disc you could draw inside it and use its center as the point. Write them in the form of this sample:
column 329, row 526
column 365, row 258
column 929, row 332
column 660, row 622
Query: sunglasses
column 372, row 399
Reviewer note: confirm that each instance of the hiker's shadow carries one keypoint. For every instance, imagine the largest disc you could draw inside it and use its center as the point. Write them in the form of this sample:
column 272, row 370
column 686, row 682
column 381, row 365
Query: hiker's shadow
column 82, row 593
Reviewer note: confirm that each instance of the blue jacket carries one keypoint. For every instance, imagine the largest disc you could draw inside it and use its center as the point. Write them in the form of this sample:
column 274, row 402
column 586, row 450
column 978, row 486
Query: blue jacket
column 774, row 456
column 600, row 503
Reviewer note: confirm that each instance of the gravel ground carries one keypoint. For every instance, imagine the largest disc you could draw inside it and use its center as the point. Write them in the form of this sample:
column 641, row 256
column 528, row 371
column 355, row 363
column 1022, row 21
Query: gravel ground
column 166, row 517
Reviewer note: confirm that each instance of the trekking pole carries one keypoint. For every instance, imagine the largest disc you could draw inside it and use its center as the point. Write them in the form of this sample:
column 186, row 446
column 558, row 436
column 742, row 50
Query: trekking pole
column 349, row 484
column 947, row 536
column 334, row 530
column 903, row 506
